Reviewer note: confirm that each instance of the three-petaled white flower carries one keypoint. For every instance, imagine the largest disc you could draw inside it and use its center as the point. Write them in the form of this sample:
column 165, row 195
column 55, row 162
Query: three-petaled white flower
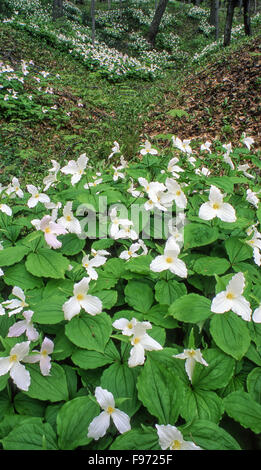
column 248, row 141
column 42, row 356
column 191, row 356
column 6, row 209
column 173, row 168
column 182, row 145
column 141, row 342
column 90, row 264
column 36, row 196
column 18, row 372
column 116, row 222
column 68, row 221
column 215, row 207
column 126, row 326
column 232, row 299
column 148, row 149
column 90, row 303
column 175, row 190
column 171, row 438
column 206, row 146
column 24, row 326
column 169, row 260
column 76, row 168
column 252, row 197
column 16, row 305
column 101, row 423
column 50, row 229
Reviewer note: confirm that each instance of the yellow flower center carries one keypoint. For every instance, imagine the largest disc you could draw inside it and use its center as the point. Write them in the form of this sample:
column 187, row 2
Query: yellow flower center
column 36, row 195
column 169, row 259
column 80, row 297
column 110, row 410
column 191, row 353
column 136, row 340
column 129, row 253
column 175, row 445
column 130, row 325
column 68, row 218
column 47, row 230
column 216, row 205
column 86, row 265
column 13, row 358
column 230, row 296
column 44, row 353
column 178, row 193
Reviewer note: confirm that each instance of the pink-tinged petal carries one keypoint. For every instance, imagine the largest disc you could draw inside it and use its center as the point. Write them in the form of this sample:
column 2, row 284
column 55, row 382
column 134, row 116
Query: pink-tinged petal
column 220, row 303
column 227, row 213
column 57, row 229
column 52, row 241
column 92, row 304
column 121, row 421
column 18, row 292
column 47, row 345
column 206, row 212
column 5, row 365
column 104, row 398
column 99, row 426
column 32, row 359
column 31, row 333
column 20, row 376
column 137, row 356
column 17, row 329
column 45, row 365
column 20, row 350
column 71, row 308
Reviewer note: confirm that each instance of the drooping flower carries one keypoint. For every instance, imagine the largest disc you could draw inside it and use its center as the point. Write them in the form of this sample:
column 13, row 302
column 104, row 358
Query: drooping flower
column 101, row 423
column 232, row 299
column 76, row 168
column 50, row 179
column 169, row 260
column 68, row 221
column 191, row 356
column 42, row 356
column 91, row 304
column 115, row 149
column 215, row 207
column 18, row 372
column 173, row 168
column 252, row 197
column 206, row 146
column 6, row 209
column 90, row 264
column 24, row 326
column 16, row 305
column 132, row 251
column 255, row 243
column 148, row 149
column 171, row 438
column 244, row 168
column 248, row 141
column 50, row 229
column 36, row 196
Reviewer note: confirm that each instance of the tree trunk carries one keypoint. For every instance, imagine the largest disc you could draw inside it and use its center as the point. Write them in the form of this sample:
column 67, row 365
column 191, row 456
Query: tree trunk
column 57, row 9
column 214, row 17
column 93, row 20
column 154, row 27
column 246, row 6
column 229, row 20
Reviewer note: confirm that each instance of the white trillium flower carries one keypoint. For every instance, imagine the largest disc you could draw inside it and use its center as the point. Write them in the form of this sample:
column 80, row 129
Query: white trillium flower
column 173, row 168
column 182, row 145
column 175, row 190
column 76, row 168
column 116, row 222
column 148, row 149
column 5, row 209
column 16, row 305
column 42, row 357
column 171, row 438
column 68, row 220
column 215, row 207
column 115, row 149
column 50, row 229
column 15, row 189
column 244, row 168
column 248, row 141
column 252, row 198
column 141, row 342
column 255, row 243
column 117, row 173
column 169, row 260
column 151, row 188
column 99, row 425
column 131, row 252
column 127, row 326
column 18, row 372
column 191, row 356
column 232, row 299
column 36, row 196
column 80, row 299
column 50, row 179
column 126, row 232
column 24, row 326
column 206, row 146
column 90, row 264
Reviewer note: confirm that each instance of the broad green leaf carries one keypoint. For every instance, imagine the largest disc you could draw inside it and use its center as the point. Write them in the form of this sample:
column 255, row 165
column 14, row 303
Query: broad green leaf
column 254, row 384
column 31, row 437
column 12, row 255
column 160, row 391
column 121, row 381
column 218, row 372
column 71, row 244
column 158, row 315
column 89, row 332
column 208, row 265
column 6, row 407
column 199, row 235
column 47, row 263
column 242, row 408
column 140, row 265
column 52, row 387
column 73, row 420
column 108, row 297
column 191, row 308
column 144, row 438
column 166, row 292
column 93, row 359
column 237, row 251
column 139, row 295
column 201, row 404
column 25, row 405
column 19, row 276
column 209, row 436
column 226, row 183
column 230, row 333
column 49, row 311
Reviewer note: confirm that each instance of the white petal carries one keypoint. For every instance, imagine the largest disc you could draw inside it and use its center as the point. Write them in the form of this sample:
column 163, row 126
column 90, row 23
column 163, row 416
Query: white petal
column 179, row 268
column 159, row 264
column 92, row 305
column 257, row 315
column 241, row 307
column 167, row 434
column 45, row 365
column 121, row 421
column 17, row 329
column 20, row 376
column 5, row 365
column 20, row 349
column 226, row 213
column 206, row 211
column 137, row 356
column 71, row 308
column 149, row 344
column 18, row 292
column 99, row 426
column 81, row 287
column 237, row 284
column 220, row 303
column 104, row 398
